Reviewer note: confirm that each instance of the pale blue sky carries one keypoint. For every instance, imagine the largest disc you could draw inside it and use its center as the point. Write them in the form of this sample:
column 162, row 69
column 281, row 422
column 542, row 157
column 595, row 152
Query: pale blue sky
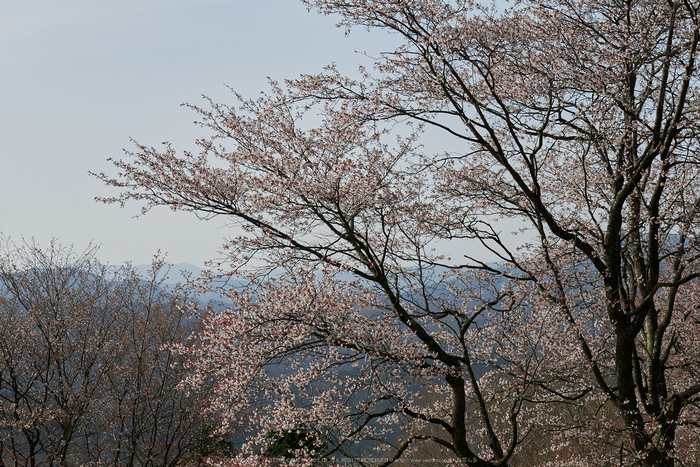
column 78, row 78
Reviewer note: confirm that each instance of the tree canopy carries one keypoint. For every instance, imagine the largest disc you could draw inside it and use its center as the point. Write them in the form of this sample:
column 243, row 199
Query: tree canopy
column 575, row 120
column 87, row 372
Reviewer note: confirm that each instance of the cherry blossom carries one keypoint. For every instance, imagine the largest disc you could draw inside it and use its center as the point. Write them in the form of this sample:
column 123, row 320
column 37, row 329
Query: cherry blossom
column 576, row 121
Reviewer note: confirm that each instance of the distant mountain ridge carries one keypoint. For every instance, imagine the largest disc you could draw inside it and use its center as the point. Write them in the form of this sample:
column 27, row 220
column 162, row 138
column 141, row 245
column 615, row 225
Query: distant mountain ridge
column 176, row 273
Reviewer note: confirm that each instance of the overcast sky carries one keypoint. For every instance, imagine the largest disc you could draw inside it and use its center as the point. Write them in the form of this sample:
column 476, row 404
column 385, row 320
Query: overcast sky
column 79, row 78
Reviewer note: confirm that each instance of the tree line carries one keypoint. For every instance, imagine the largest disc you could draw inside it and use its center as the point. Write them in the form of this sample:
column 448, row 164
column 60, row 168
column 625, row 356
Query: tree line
column 88, row 375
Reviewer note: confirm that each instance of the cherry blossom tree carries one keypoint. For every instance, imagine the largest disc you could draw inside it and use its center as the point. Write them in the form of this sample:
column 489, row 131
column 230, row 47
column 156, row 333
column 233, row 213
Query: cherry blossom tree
column 86, row 374
column 577, row 123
